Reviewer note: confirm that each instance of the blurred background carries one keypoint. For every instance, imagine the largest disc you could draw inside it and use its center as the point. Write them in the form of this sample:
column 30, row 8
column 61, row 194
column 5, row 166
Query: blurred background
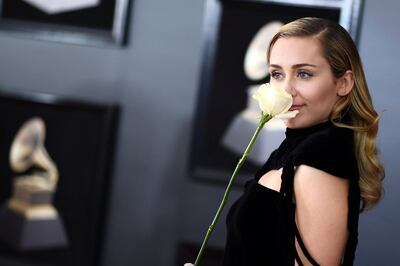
column 155, row 211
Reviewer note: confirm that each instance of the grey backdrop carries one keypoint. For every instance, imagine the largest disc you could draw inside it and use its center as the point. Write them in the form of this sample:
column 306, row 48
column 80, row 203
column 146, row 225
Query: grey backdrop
column 155, row 80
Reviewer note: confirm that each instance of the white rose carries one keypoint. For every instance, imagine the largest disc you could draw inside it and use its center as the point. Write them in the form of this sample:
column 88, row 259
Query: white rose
column 274, row 101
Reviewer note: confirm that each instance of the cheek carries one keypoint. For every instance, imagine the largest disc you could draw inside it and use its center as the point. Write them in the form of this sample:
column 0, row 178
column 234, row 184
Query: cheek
column 321, row 93
column 324, row 97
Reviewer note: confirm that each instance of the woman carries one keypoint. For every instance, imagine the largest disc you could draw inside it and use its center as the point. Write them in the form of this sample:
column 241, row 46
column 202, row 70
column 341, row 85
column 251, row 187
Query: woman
column 302, row 207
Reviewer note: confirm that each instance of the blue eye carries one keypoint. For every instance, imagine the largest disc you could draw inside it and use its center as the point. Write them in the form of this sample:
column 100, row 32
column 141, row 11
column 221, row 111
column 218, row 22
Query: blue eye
column 276, row 75
column 304, row 75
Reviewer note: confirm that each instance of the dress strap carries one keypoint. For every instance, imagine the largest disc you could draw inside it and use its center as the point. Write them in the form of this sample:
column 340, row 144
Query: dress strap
column 354, row 208
column 304, row 249
column 287, row 192
column 299, row 262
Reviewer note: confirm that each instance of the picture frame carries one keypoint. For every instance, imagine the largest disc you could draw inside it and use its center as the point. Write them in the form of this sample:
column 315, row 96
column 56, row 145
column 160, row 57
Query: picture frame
column 230, row 26
column 102, row 25
column 80, row 139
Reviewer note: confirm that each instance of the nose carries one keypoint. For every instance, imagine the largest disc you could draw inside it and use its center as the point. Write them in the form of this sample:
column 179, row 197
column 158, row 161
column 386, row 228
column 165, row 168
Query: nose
column 289, row 86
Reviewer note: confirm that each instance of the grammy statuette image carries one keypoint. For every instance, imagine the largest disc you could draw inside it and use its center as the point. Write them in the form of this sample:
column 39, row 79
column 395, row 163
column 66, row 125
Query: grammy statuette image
column 28, row 220
column 242, row 126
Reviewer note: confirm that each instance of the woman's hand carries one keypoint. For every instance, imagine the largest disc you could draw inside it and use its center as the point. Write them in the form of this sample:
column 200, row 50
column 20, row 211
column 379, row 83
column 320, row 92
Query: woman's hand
column 188, row 264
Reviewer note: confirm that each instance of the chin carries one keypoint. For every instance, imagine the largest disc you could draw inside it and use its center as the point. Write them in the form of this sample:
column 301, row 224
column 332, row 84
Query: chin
column 295, row 122
column 290, row 122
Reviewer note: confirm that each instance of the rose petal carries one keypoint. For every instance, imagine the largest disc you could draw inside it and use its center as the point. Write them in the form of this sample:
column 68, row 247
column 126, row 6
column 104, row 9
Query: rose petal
column 287, row 115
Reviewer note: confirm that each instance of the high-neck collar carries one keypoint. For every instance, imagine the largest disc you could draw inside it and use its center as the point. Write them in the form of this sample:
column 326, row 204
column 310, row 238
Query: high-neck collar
column 296, row 132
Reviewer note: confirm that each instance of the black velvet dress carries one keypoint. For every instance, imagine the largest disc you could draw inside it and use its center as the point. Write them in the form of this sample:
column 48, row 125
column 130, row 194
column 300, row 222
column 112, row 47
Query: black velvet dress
column 261, row 226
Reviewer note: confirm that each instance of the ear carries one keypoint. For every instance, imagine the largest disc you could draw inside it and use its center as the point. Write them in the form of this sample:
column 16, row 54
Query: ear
column 345, row 83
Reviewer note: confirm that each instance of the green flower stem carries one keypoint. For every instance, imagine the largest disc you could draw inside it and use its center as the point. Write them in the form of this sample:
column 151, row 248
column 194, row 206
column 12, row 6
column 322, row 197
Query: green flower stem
column 264, row 119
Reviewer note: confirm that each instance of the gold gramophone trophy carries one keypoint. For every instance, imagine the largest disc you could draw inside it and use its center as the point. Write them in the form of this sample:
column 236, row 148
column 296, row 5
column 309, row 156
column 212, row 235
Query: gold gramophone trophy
column 29, row 220
column 241, row 128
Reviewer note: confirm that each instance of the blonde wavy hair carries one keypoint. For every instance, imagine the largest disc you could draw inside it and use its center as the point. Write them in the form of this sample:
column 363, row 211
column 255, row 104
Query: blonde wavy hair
column 341, row 53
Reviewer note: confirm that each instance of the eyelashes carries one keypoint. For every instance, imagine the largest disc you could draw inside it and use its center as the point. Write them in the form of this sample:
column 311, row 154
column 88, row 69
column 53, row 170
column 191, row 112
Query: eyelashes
column 302, row 74
column 276, row 75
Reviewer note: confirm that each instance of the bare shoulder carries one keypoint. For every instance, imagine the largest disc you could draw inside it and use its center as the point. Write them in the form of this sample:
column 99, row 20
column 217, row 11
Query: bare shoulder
column 321, row 213
column 310, row 182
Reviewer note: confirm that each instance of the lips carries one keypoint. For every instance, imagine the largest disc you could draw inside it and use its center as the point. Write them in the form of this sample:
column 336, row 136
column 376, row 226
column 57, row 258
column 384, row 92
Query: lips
column 296, row 107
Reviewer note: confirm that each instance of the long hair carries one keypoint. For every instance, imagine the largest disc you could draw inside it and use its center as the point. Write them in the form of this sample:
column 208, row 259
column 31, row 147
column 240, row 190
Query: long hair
column 355, row 110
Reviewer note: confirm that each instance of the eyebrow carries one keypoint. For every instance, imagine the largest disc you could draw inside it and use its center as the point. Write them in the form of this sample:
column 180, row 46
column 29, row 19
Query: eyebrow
column 294, row 66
